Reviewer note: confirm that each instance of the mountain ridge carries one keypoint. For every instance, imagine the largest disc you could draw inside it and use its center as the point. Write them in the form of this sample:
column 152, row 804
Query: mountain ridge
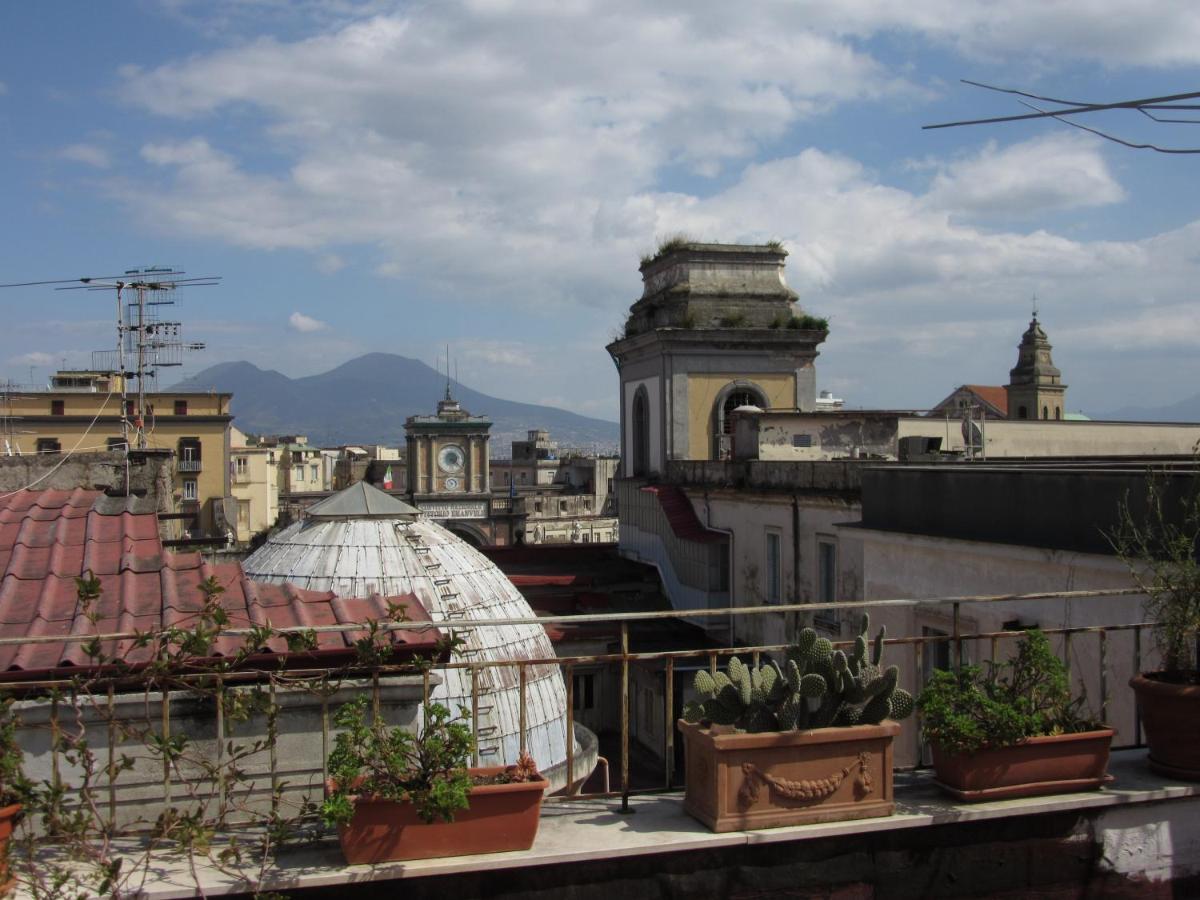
column 365, row 400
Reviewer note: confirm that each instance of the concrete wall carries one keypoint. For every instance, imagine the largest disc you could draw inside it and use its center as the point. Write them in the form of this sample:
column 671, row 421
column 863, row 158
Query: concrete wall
column 914, row 566
column 705, row 388
column 814, row 436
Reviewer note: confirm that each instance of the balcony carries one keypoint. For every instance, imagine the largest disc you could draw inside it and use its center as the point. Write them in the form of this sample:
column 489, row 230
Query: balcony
column 188, row 465
column 632, row 836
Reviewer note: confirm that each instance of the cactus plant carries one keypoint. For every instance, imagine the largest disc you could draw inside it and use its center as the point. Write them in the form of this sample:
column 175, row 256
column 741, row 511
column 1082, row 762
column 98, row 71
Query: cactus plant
column 818, row 687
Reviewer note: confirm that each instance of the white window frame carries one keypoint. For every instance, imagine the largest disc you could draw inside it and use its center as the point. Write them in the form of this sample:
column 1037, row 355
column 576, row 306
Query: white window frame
column 827, row 574
column 190, row 489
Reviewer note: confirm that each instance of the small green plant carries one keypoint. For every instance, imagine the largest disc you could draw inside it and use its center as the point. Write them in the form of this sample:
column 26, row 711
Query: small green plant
column 808, row 323
column 669, row 244
column 1160, row 550
column 780, row 321
column 819, row 687
column 372, row 759
column 774, row 244
column 733, row 320
column 1002, row 704
column 14, row 786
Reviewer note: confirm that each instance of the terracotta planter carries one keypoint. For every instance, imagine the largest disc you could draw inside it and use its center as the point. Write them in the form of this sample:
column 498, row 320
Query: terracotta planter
column 744, row 781
column 1050, row 764
column 501, row 817
column 8, row 821
column 1171, row 719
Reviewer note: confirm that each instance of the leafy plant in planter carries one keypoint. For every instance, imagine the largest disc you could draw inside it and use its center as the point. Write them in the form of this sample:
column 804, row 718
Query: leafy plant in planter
column 395, row 795
column 1012, row 728
column 1160, row 549
column 817, row 724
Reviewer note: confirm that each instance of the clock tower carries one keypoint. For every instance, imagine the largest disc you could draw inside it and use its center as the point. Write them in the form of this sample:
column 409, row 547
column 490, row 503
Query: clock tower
column 448, row 474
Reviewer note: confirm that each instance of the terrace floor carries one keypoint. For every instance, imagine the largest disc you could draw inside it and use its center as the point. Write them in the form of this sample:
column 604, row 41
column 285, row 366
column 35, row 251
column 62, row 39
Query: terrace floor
column 1138, row 837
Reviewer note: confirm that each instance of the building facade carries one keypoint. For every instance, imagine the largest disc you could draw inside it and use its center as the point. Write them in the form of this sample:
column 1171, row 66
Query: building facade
column 82, row 411
column 255, row 486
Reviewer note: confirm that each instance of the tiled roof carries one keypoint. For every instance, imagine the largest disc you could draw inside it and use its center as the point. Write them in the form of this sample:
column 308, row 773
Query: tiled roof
column 996, row 395
column 49, row 538
column 682, row 517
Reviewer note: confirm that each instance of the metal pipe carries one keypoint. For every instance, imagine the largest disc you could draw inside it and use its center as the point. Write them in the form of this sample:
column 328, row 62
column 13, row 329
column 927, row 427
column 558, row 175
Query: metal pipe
column 624, row 717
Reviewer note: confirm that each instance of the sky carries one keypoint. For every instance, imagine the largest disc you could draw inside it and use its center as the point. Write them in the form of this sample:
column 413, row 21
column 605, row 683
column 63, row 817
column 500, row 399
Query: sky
column 376, row 176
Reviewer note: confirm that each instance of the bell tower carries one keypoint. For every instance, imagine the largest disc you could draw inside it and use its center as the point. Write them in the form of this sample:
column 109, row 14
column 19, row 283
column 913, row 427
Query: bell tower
column 1035, row 389
column 716, row 328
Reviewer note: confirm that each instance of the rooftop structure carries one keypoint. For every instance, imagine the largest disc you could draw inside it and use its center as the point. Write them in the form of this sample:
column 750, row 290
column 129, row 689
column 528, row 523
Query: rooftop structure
column 362, row 541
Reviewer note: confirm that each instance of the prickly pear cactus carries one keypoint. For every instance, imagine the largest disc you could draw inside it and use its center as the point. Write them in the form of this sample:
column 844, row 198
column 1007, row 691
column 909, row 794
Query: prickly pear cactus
column 817, row 687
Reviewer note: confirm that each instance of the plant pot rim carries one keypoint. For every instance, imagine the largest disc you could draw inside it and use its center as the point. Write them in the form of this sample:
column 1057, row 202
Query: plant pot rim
column 1148, row 683
column 1037, row 739
column 746, row 740
column 9, row 811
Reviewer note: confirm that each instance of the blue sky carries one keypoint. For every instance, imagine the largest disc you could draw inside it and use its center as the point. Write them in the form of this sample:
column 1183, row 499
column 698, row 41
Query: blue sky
column 399, row 176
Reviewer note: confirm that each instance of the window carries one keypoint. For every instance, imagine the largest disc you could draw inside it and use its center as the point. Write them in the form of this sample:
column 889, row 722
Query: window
column 189, row 489
column 297, row 474
column 116, row 443
column 641, row 432
column 181, row 407
column 130, row 408
column 243, row 515
column 314, row 473
column 58, row 408
column 537, row 506
column 774, row 567
column 935, row 654
column 1058, row 412
column 801, row 440
column 1045, row 413
column 562, row 506
column 827, row 571
column 241, row 465
column 583, row 691
column 1022, row 412
column 48, row 445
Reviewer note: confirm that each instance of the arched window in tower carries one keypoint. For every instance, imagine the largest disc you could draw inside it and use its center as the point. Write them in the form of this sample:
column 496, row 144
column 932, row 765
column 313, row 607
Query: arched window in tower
column 733, row 396
column 1022, row 412
column 640, row 430
column 1058, row 412
column 1045, row 412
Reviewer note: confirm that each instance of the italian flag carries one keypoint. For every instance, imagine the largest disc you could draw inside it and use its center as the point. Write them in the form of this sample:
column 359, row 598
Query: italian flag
column 387, row 479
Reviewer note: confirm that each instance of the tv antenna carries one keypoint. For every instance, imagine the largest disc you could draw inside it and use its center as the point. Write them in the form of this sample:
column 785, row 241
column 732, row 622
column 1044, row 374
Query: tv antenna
column 146, row 342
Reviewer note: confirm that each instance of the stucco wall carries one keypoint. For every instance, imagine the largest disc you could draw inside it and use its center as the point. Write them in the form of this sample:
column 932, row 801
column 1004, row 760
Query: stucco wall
column 704, row 389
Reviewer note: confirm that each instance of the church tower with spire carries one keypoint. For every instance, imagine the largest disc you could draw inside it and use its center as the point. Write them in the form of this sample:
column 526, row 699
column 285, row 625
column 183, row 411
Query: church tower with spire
column 1035, row 389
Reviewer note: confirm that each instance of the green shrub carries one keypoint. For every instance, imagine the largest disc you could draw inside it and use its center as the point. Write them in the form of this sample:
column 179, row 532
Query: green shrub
column 1002, row 704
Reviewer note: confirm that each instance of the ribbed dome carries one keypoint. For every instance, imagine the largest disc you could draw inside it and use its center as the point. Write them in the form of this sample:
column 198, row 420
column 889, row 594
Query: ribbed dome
column 356, row 557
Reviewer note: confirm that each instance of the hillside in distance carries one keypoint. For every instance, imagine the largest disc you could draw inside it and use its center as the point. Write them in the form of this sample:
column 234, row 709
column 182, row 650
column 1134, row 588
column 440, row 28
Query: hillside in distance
column 1186, row 410
column 366, row 400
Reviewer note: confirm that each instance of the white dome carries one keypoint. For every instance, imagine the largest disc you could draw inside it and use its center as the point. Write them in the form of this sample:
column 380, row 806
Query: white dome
column 358, row 556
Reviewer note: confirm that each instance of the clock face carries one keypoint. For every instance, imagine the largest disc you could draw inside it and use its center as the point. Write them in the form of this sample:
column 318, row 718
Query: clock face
column 451, row 458
column 451, row 484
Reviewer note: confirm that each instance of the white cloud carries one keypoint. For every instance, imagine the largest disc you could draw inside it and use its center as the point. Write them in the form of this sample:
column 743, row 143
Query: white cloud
column 329, row 263
column 35, row 358
column 493, row 353
column 305, row 324
column 88, row 154
column 1045, row 174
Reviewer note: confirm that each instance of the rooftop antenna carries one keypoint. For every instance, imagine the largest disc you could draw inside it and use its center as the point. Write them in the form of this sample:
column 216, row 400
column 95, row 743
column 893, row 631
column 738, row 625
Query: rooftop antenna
column 448, row 372
column 145, row 341
column 1035, row 306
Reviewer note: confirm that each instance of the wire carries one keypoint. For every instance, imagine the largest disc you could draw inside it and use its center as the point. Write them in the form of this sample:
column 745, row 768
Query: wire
column 66, row 455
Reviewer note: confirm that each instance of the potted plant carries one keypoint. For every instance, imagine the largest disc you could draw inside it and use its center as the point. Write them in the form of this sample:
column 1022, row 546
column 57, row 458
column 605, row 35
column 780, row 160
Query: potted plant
column 807, row 742
column 1160, row 549
column 394, row 795
column 1012, row 729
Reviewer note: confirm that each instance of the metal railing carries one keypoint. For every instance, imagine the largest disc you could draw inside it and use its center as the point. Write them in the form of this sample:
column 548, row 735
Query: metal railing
column 955, row 646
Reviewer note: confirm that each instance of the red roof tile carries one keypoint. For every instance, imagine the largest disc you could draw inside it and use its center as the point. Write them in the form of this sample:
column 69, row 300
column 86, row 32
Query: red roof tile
column 996, row 395
column 49, row 538
column 682, row 517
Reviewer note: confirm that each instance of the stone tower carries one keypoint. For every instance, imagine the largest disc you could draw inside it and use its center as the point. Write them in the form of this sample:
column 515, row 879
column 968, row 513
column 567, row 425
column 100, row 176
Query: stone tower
column 448, row 472
column 716, row 328
column 1035, row 389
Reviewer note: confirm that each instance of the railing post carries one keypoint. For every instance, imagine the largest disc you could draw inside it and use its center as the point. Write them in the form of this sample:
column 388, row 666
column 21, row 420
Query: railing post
column 570, row 679
column 522, row 707
column 475, row 715
column 669, row 679
column 1137, row 670
column 1103, row 675
column 625, row 717
column 112, row 759
column 221, row 788
column 958, row 654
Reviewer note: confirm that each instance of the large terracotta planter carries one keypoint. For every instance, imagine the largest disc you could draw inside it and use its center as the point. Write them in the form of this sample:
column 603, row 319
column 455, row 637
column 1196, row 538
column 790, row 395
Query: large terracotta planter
column 738, row 781
column 1050, row 764
column 1171, row 720
column 501, row 817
